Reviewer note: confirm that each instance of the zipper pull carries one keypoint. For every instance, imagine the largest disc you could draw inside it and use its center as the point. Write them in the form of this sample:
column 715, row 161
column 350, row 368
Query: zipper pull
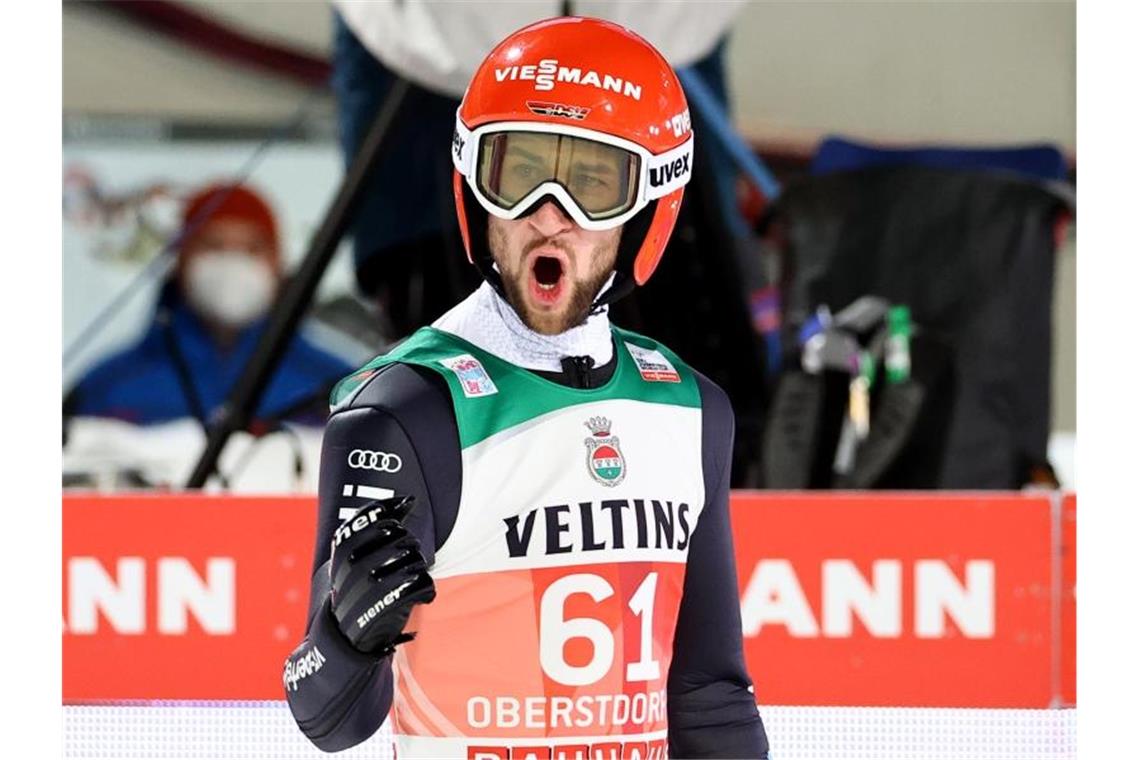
column 578, row 369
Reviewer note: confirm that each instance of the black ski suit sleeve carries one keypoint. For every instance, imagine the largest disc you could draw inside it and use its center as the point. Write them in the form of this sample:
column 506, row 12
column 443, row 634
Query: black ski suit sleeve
column 711, row 704
column 403, row 422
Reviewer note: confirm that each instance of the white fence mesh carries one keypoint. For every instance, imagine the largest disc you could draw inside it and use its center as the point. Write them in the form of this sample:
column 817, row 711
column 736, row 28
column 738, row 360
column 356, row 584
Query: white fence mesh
column 163, row 730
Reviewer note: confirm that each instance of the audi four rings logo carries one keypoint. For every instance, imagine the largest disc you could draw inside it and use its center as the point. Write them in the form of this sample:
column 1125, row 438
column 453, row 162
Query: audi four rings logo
column 362, row 459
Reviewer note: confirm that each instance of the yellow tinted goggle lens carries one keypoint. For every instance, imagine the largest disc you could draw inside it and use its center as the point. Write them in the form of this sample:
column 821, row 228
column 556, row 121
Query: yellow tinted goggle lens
column 601, row 178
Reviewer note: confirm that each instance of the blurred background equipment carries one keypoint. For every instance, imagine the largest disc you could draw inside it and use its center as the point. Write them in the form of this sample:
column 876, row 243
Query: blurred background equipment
column 965, row 240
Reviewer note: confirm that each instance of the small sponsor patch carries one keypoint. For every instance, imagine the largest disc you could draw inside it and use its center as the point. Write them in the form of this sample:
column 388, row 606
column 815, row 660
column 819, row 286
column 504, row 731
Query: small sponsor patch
column 472, row 377
column 653, row 365
column 558, row 109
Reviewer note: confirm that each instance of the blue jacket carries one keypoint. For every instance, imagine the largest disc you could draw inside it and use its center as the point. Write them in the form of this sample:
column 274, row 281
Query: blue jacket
column 142, row 384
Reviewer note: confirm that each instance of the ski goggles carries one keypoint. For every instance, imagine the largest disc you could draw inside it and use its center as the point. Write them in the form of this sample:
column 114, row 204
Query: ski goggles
column 600, row 180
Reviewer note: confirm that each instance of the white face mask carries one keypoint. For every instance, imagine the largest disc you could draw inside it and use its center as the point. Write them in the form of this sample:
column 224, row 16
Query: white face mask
column 231, row 287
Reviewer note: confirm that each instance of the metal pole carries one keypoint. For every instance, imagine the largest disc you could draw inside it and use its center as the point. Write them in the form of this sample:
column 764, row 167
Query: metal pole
column 298, row 291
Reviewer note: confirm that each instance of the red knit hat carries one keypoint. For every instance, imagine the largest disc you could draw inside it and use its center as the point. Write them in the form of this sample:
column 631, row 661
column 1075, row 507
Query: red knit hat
column 222, row 201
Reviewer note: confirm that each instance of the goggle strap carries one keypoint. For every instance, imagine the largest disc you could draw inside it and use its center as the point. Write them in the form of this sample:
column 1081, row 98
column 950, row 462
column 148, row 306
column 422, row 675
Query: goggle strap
column 462, row 150
column 669, row 171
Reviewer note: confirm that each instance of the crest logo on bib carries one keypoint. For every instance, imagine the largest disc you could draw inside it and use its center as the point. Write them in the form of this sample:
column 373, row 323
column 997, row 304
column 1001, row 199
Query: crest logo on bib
column 603, row 454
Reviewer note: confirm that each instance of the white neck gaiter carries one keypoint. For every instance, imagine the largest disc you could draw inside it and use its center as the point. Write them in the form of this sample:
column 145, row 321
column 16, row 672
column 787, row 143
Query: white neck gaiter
column 489, row 322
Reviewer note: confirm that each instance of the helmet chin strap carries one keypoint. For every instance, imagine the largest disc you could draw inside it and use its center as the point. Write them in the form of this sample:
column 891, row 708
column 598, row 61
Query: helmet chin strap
column 481, row 257
column 620, row 286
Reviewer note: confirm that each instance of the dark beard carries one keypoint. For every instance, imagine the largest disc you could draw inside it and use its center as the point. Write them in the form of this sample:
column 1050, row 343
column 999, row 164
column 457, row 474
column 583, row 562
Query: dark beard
column 581, row 299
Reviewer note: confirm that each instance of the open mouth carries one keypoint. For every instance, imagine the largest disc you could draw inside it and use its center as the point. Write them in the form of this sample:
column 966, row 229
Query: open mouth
column 547, row 279
column 547, row 272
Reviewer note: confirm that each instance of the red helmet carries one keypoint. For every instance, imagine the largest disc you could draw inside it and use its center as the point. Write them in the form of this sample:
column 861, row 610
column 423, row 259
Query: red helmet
column 587, row 114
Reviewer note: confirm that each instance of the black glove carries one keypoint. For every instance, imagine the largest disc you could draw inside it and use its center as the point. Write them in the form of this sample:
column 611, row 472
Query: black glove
column 377, row 574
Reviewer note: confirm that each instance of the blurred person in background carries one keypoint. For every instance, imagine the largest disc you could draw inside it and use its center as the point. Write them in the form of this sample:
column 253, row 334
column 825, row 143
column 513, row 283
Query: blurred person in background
column 207, row 322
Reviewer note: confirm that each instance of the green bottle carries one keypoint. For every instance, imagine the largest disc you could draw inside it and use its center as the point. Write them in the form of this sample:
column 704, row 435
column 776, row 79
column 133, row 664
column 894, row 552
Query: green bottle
column 897, row 353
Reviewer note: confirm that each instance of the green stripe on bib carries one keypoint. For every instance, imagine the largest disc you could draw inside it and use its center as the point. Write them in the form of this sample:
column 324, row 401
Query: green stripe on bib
column 491, row 395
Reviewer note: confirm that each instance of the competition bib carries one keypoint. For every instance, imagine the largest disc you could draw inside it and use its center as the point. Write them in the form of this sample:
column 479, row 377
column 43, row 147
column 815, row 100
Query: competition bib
column 559, row 586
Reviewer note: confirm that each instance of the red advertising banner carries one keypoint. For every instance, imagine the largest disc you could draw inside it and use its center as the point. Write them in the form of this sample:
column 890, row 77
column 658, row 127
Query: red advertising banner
column 182, row 597
column 1068, row 641
column 870, row 599
column 931, row 600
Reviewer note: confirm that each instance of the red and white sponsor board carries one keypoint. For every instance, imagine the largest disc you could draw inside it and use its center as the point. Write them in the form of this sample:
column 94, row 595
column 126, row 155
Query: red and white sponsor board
column 846, row 599
column 182, row 597
column 905, row 600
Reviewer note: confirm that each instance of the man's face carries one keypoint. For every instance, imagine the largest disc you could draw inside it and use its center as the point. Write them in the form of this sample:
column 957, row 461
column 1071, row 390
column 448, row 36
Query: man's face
column 552, row 269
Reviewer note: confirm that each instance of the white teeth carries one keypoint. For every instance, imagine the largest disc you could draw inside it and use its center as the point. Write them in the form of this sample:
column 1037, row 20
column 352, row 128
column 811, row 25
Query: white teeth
column 546, row 287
